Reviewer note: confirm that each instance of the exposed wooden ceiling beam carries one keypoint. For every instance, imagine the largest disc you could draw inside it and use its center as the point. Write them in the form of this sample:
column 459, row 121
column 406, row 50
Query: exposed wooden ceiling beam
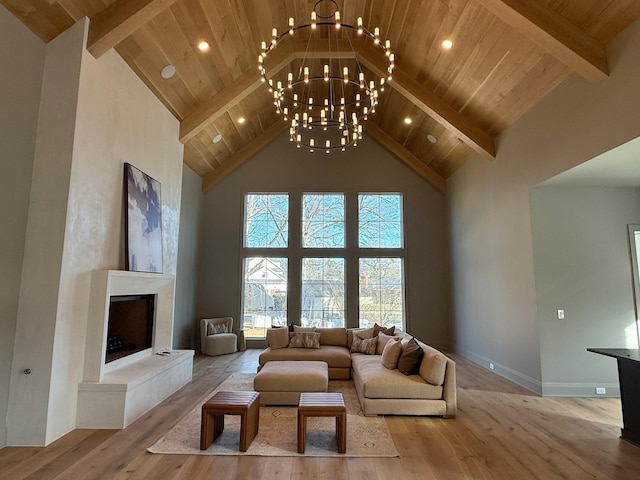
column 561, row 38
column 406, row 157
column 119, row 20
column 430, row 103
column 264, row 139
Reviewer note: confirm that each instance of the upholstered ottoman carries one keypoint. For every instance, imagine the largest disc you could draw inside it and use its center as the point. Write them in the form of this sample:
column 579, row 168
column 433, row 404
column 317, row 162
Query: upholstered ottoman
column 281, row 382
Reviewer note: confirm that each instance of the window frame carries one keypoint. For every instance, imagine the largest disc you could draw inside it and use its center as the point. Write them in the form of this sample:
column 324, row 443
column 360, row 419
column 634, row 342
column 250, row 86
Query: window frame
column 351, row 253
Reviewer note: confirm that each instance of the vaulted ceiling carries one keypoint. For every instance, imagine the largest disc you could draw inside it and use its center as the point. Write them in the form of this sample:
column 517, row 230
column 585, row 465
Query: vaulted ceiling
column 506, row 56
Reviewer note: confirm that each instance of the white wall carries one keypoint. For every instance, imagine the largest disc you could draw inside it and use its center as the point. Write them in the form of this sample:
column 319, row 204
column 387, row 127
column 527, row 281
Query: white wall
column 582, row 265
column 95, row 115
column 19, row 102
column 280, row 167
column 494, row 287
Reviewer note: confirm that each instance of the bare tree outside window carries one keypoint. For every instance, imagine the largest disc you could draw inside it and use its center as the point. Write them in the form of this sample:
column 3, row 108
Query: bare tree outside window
column 323, row 221
column 266, row 220
column 381, row 292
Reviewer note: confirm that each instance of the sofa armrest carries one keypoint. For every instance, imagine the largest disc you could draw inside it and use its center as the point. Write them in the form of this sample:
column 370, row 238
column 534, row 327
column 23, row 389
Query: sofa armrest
column 449, row 389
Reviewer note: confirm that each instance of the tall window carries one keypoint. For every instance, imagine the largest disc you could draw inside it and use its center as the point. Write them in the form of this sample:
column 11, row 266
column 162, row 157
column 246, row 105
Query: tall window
column 266, row 230
column 381, row 282
column 302, row 251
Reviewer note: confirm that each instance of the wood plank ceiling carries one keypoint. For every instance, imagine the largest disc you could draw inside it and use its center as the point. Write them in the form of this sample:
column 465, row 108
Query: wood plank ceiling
column 506, row 56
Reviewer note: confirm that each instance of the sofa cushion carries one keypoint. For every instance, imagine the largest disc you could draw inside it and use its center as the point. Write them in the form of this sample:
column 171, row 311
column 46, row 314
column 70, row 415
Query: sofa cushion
column 305, row 340
column 379, row 382
column 391, row 354
column 336, row 357
column 366, row 346
column 382, row 341
column 277, row 337
column 433, row 365
column 333, row 336
column 410, row 358
column 299, row 329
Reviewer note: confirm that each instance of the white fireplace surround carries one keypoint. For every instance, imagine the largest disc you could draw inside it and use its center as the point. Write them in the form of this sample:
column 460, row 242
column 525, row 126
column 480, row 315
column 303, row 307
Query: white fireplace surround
column 114, row 394
column 108, row 283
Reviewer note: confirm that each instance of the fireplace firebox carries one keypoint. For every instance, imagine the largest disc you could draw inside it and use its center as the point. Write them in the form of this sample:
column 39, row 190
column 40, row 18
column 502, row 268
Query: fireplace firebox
column 130, row 327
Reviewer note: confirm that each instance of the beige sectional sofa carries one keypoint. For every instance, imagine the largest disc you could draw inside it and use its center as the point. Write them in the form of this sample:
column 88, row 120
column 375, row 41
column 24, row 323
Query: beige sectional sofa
column 381, row 391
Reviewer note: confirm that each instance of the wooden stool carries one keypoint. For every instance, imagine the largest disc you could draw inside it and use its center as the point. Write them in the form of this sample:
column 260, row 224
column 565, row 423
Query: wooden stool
column 322, row 405
column 245, row 404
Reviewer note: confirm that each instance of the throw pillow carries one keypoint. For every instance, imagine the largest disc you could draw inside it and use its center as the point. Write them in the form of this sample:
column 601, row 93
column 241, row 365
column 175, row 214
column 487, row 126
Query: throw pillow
column 216, row 328
column 364, row 345
column 361, row 332
column 391, row 354
column 433, row 366
column 382, row 341
column 377, row 329
column 305, row 340
column 277, row 338
column 410, row 358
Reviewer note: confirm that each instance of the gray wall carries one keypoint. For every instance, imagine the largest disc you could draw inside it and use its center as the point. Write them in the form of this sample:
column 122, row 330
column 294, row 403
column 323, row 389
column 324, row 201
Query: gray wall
column 185, row 327
column 582, row 265
column 19, row 100
column 492, row 248
column 282, row 168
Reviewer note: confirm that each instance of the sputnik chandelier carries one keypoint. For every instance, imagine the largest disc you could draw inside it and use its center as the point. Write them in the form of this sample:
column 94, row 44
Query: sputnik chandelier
column 325, row 94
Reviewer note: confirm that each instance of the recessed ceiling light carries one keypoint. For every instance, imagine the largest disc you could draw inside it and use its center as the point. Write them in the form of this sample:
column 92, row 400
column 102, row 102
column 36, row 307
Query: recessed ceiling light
column 168, row 71
column 241, row 120
column 432, row 139
column 447, row 44
column 408, row 120
column 217, row 138
column 203, row 46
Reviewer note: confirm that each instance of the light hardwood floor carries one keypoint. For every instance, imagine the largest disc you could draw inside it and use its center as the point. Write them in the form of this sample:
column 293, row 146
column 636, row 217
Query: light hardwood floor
column 501, row 432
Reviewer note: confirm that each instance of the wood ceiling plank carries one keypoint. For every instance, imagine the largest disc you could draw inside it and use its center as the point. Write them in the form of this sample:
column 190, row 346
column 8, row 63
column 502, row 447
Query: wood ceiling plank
column 554, row 33
column 218, row 104
column 431, row 104
column 406, row 157
column 243, row 155
column 119, row 20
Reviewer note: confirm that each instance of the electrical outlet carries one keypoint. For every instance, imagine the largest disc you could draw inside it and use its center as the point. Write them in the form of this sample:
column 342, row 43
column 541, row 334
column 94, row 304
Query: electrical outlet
column 560, row 314
column 491, row 366
column 601, row 391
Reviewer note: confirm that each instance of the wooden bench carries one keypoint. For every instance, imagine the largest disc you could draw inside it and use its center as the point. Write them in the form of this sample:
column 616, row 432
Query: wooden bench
column 245, row 404
column 322, row 405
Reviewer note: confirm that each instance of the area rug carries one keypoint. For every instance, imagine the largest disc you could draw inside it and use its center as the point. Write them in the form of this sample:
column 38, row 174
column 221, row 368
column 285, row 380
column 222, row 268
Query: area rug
column 366, row 436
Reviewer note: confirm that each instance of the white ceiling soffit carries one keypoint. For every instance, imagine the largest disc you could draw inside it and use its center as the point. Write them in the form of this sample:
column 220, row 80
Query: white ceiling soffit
column 619, row 167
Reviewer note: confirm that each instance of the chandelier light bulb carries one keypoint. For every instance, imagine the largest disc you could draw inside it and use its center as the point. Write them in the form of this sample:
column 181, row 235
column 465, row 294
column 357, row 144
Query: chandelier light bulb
column 337, row 19
column 326, row 73
column 360, row 28
column 313, row 20
column 291, row 24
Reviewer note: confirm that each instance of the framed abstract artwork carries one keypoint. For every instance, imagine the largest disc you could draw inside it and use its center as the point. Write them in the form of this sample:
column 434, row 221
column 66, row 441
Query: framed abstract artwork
column 143, row 225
